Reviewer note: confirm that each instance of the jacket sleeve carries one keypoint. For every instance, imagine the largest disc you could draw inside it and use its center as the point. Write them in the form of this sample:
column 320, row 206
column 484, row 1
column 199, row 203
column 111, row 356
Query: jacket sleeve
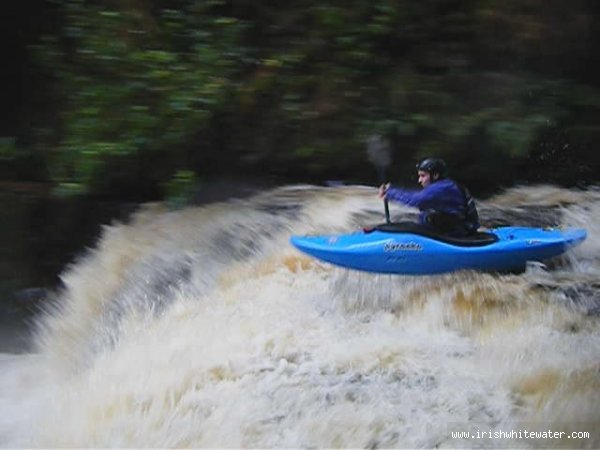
column 411, row 197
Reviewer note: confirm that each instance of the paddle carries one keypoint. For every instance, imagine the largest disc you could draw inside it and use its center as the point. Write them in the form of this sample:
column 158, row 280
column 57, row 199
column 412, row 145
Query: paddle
column 378, row 152
column 386, row 208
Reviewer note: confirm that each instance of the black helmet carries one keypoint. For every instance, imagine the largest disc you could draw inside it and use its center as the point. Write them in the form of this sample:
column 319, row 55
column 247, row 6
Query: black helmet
column 433, row 165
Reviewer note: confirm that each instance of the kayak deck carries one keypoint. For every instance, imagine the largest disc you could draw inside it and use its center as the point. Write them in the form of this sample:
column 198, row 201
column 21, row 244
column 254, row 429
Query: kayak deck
column 473, row 240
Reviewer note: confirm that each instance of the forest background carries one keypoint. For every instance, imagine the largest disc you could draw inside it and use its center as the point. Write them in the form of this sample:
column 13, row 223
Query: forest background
column 137, row 99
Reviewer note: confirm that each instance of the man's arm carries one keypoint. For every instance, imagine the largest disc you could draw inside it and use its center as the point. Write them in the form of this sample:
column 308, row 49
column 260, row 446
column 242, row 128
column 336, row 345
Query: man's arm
column 411, row 197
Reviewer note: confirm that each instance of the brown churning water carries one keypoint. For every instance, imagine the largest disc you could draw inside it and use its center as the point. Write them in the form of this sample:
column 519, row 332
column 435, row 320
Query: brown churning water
column 205, row 328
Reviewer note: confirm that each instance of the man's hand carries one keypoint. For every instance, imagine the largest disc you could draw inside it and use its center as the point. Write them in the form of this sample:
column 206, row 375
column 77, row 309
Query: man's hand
column 383, row 190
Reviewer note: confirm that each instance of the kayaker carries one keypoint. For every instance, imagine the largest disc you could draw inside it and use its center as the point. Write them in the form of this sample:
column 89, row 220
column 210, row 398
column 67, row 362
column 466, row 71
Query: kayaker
column 445, row 206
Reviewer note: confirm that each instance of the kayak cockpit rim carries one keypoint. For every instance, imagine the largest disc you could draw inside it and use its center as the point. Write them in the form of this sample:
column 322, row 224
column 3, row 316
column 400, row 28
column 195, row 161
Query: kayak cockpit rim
column 478, row 239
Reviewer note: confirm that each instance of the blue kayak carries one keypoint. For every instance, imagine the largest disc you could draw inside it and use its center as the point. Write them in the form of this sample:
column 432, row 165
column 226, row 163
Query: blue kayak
column 411, row 250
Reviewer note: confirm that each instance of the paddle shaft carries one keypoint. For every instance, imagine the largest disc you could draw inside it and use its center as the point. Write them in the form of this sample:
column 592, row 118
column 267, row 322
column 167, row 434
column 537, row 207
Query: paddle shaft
column 378, row 152
column 386, row 206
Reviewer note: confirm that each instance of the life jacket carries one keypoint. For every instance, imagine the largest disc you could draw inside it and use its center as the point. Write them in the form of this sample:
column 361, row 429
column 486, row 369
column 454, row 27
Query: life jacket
column 471, row 215
column 459, row 224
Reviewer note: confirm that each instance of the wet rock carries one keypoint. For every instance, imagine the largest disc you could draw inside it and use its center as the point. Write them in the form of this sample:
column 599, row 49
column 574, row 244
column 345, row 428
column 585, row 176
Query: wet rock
column 30, row 297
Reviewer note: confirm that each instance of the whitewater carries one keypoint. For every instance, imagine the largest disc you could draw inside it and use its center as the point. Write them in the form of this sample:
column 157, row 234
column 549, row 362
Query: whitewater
column 204, row 327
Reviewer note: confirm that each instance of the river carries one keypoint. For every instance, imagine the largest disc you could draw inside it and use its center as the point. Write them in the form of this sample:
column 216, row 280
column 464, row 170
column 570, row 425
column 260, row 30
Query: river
column 203, row 327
